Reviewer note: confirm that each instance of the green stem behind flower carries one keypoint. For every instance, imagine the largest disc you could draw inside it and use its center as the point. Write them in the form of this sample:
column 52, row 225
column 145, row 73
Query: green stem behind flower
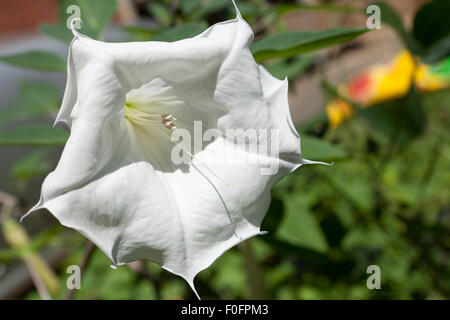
column 255, row 280
column 43, row 277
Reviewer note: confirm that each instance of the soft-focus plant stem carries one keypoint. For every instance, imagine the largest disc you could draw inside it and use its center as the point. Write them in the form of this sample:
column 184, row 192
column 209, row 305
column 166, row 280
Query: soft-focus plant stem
column 43, row 277
column 255, row 280
column 142, row 269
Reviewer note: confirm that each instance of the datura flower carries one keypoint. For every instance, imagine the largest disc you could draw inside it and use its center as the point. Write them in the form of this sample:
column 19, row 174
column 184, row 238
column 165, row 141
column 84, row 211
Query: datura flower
column 116, row 182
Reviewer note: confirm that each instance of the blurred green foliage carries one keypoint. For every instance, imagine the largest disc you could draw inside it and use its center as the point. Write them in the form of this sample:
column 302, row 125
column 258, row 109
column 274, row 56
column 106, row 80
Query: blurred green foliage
column 384, row 202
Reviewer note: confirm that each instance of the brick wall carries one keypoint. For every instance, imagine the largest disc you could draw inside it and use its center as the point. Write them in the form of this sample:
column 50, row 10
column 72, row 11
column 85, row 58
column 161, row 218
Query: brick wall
column 26, row 15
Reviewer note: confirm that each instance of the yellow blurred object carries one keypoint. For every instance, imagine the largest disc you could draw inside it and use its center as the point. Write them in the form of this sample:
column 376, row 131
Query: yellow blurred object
column 425, row 80
column 384, row 82
column 394, row 80
column 338, row 110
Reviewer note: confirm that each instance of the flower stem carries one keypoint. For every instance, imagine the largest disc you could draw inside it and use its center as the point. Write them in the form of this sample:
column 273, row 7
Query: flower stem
column 255, row 280
column 88, row 251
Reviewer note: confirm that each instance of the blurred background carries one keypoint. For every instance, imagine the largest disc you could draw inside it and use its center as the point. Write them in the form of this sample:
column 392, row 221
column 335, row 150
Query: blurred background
column 373, row 102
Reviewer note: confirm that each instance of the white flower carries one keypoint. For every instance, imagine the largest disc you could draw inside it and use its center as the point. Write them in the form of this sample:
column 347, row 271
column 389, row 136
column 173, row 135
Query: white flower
column 115, row 182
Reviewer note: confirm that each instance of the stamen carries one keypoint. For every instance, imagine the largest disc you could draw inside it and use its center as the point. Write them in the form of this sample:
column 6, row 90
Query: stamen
column 138, row 117
column 168, row 121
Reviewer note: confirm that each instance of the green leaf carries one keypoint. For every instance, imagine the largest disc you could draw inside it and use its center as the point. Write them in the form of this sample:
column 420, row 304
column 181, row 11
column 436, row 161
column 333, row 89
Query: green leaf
column 138, row 33
column 33, row 165
column 289, row 44
column 181, row 32
column 390, row 17
column 316, row 123
column 320, row 150
column 399, row 119
column 7, row 255
column 350, row 182
column 188, row 6
column 57, row 32
column 300, row 228
column 33, row 135
column 33, row 99
column 96, row 16
column 370, row 236
column 431, row 22
column 44, row 95
column 290, row 68
column 211, row 7
column 438, row 51
column 274, row 216
column 38, row 60
column 442, row 68
column 160, row 13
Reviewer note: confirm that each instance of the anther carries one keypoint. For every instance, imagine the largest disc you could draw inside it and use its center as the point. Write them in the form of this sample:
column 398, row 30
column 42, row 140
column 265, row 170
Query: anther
column 168, row 121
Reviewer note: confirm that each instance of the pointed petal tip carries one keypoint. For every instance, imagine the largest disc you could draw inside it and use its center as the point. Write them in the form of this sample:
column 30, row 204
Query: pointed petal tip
column 61, row 123
column 35, row 208
column 24, row 216
column 75, row 32
column 191, row 284
column 238, row 14
column 306, row 161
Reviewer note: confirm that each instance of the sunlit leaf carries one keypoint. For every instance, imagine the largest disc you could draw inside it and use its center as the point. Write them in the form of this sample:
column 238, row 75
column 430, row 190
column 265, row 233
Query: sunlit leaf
column 299, row 227
column 321, row 150
column 139, row 33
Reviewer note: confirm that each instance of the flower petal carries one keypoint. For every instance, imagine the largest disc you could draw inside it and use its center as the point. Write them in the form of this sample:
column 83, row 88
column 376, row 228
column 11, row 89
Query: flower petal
column 116, row 182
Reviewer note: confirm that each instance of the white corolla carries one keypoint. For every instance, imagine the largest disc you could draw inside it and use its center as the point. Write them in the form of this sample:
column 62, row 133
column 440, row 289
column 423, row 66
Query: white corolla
column 116, row 181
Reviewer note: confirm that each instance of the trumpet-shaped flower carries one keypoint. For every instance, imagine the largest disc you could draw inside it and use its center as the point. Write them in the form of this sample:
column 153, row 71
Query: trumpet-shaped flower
column 116, row 182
